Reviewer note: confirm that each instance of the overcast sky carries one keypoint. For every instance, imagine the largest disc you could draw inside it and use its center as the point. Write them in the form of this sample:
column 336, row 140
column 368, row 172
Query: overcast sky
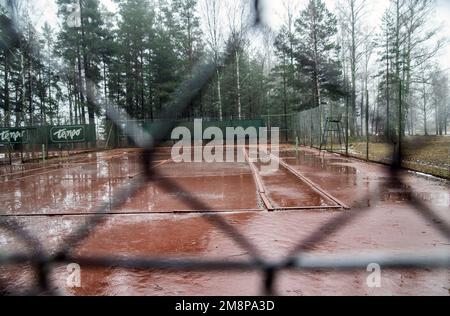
column 45, row 10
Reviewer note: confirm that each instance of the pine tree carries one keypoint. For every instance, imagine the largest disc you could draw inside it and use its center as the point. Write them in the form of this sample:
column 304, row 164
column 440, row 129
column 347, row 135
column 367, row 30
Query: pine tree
column 316, row 51
column 135, row 30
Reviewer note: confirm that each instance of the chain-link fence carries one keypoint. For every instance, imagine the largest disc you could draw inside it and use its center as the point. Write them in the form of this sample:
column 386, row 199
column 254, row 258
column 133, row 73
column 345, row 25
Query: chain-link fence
column 40, row 143
column 326, row 127
column 123, row 134
column 298, row 260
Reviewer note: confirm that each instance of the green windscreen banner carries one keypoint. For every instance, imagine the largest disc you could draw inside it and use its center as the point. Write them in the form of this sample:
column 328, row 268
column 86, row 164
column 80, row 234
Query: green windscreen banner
column 14, row 135
column 68, row 134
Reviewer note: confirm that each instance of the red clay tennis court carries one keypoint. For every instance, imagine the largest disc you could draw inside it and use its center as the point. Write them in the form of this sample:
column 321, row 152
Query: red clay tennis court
column 274, row 209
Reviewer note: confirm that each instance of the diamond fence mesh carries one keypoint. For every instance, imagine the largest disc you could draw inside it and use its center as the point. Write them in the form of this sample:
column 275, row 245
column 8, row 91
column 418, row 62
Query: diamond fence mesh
column 325, row 128
column 308, row 132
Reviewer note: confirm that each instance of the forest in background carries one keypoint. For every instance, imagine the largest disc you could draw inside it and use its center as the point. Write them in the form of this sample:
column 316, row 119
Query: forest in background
column 384, row 80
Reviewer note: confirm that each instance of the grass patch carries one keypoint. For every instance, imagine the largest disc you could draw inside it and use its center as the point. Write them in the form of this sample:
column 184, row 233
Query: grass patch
column 427, row 154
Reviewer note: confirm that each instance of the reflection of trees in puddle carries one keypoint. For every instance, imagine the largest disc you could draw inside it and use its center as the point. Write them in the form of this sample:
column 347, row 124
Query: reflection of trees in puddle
column 287, row 190
column 308, row 161
column 219, row 192
column 53, row 194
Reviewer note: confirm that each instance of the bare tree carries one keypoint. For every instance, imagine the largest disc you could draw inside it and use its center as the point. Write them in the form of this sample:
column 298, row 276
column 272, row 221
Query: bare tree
column 440, row 100
column 352, row 15
column 238, row 17
column 368, row 46
column 423, row 88
column 212, row 11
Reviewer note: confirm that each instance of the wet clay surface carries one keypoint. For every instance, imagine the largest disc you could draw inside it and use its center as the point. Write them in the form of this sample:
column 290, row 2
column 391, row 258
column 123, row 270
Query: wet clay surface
column 286, row 190
column 219, row 192
column 391, row 224
column 68, row 188
column 361, row 184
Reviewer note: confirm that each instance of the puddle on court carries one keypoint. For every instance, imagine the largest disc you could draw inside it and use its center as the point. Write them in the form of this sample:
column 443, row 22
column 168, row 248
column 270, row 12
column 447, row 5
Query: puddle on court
column 286, row 190
column 80, row 188
column 338, row 179
column 359, row 188
column 181, row 170
column 216, row 192
column 52, row 195
column 313, row 162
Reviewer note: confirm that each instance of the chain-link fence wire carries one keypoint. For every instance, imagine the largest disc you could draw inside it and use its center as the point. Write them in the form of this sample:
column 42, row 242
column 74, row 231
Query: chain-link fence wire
column 123, row 137
column 325, row 128
column 309, row 127
column 281, row 121
column 299, row 259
